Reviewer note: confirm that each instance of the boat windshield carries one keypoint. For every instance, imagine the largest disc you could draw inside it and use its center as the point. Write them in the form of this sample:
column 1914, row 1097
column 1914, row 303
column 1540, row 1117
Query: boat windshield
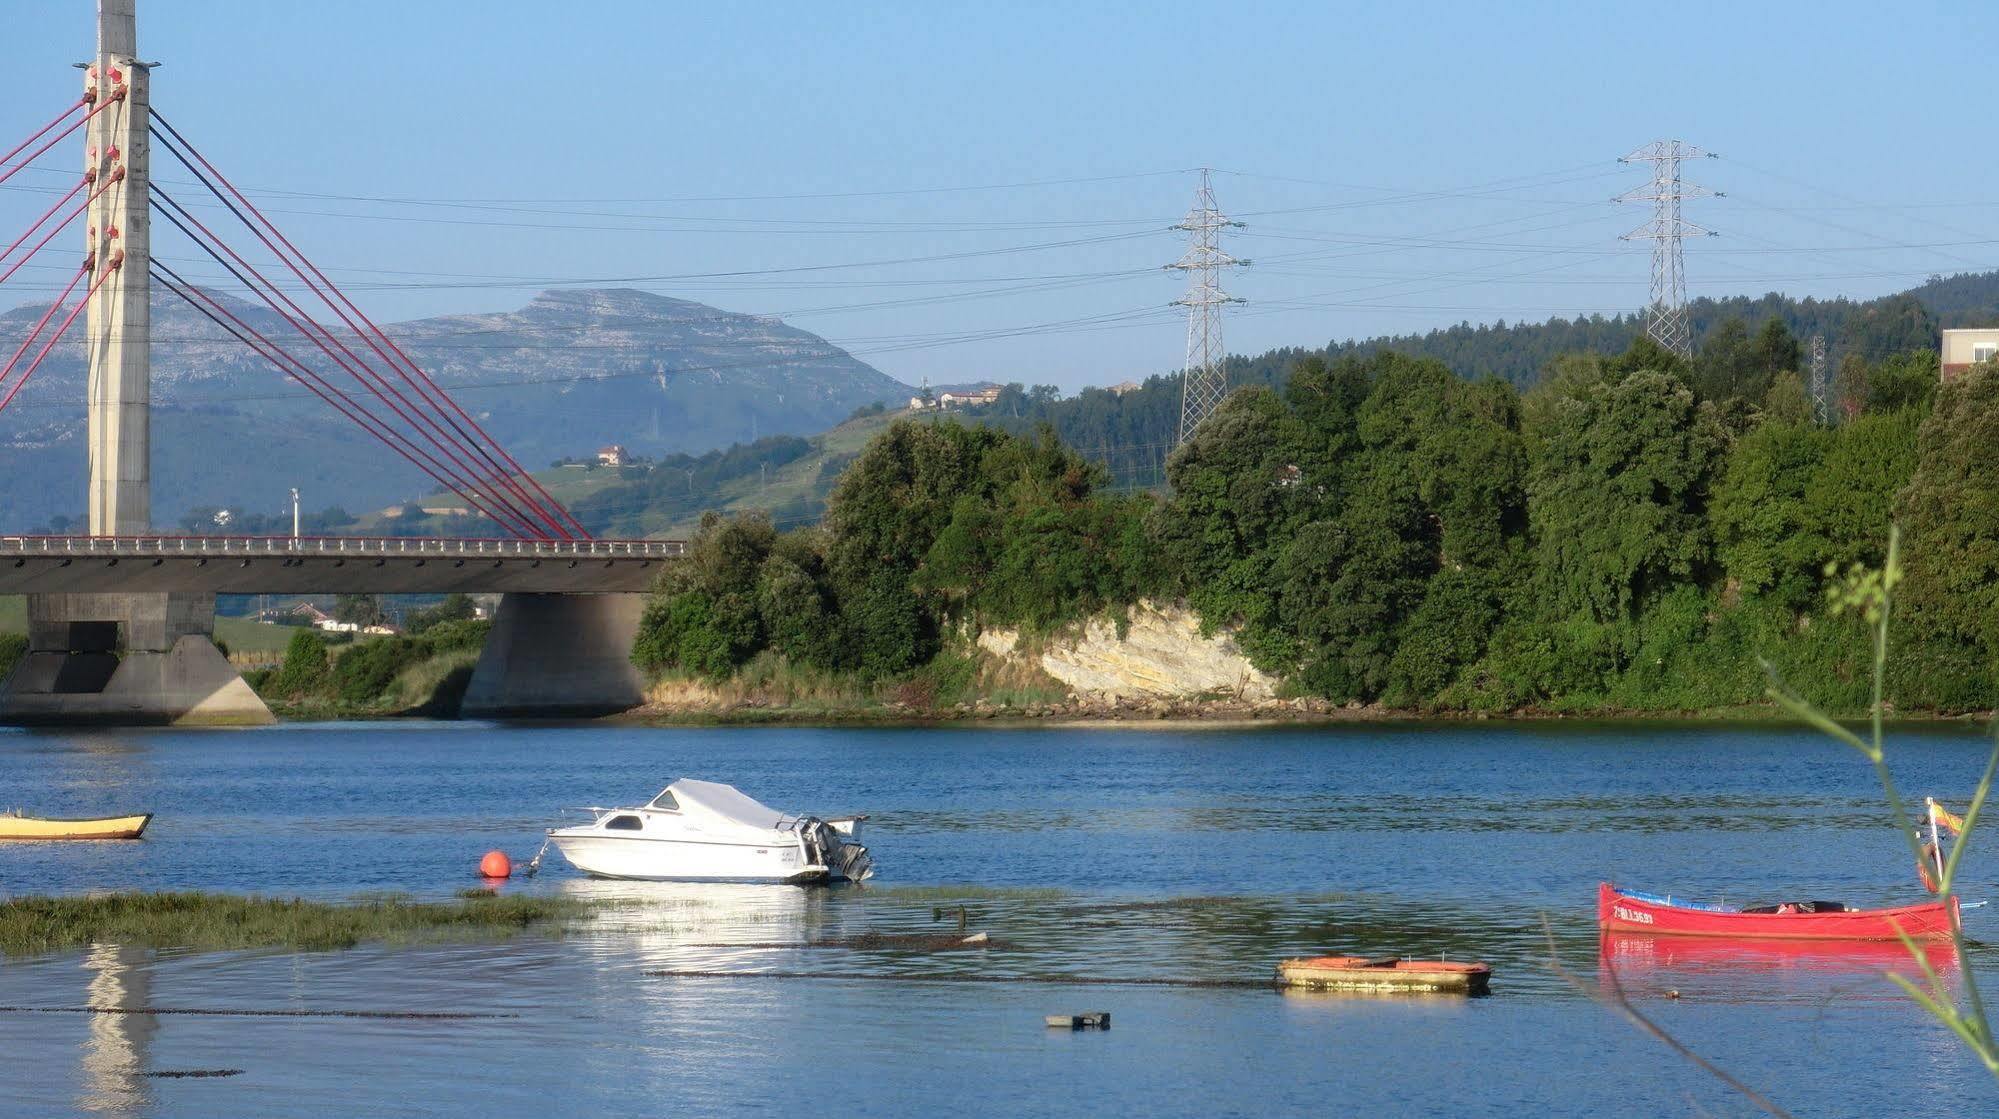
column 665, row 802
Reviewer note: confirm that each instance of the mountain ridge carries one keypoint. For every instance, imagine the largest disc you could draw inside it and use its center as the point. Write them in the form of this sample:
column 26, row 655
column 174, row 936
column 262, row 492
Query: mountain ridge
column 568, row 371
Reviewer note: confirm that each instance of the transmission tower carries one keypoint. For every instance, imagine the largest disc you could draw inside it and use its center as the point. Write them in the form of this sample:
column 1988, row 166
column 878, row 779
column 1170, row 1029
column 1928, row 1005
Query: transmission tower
column 1821, row 391
column 1666, row 317
column 1205, row 381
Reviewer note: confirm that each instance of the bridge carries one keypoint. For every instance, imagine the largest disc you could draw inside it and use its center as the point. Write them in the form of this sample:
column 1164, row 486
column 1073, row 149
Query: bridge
column 121, row 621
column 326, row 565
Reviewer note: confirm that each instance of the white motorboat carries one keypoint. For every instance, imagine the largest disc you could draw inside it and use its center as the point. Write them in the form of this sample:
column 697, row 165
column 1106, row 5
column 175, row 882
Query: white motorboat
column 706, row 831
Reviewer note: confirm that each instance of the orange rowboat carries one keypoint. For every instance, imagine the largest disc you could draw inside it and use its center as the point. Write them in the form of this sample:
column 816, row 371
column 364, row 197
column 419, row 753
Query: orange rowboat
column 1385, row 973
column 14, row 826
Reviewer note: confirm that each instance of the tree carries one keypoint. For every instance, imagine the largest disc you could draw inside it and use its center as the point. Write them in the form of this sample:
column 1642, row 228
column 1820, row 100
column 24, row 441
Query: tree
column 1238, row 502
column 1618, row 495
column 305, row 669
column 1765, row 531
column 456, row 607
column 1787, row 401
column 1905, row 380
column 1950, row 513
column 359, row 609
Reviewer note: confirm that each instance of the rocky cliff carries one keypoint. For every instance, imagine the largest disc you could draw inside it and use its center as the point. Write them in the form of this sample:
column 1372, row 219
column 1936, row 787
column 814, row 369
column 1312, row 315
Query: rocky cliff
column 1161, row 654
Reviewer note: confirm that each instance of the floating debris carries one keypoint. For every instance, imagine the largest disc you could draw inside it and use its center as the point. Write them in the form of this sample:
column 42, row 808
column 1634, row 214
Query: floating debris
column 1089, row 1020
column 192, row 1073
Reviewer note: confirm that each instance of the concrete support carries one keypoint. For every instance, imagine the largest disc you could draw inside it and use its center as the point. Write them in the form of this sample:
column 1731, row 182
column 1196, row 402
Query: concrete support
column 554, row 655
column 119, row 317
column 126, row 659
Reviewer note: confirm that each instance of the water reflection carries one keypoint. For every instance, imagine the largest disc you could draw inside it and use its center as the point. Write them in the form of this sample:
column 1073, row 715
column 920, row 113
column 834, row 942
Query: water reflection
column 116, row 1050
column 1748, row 970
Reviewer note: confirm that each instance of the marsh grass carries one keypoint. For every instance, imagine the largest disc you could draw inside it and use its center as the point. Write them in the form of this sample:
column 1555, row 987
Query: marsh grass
column 224, row 922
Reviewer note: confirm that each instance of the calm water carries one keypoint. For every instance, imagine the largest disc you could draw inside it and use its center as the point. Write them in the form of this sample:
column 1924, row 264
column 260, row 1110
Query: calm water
column 1135, row 853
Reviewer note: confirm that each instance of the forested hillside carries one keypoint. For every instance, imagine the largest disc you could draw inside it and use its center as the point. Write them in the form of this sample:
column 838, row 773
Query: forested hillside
column 1132, row 433
column 1634, row 533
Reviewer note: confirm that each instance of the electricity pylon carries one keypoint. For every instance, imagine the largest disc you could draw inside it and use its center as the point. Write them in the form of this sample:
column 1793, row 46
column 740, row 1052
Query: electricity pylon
column 1204, row 382
column 1666, row 316
column 1821, row 390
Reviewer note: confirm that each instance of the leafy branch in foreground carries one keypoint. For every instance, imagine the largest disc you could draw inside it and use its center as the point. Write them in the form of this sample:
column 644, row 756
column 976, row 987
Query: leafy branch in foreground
column 1870, row 593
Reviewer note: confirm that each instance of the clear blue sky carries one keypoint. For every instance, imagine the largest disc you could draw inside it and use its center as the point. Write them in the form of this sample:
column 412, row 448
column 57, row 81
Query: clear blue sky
column 1399, row 166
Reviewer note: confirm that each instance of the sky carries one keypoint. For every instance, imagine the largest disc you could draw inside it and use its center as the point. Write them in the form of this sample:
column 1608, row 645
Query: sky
column 965, row 193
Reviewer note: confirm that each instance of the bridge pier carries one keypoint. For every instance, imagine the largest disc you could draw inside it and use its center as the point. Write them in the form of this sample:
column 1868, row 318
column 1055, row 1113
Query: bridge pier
column 554, row 655
column 126, row 659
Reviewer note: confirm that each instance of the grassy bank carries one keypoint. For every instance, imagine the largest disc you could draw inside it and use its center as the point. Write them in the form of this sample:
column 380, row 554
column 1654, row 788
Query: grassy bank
column 222, row 922
column 422, row 675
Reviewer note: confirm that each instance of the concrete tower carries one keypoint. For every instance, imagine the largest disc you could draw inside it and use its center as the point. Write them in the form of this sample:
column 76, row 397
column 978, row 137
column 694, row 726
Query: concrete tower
column 122, row 658
column 119, row 317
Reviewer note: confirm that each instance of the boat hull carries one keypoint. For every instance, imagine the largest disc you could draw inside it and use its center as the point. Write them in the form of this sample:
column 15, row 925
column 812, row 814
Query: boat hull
column 103, row 827
column 1621, row 912
column 670, row 860
column 1353, row 973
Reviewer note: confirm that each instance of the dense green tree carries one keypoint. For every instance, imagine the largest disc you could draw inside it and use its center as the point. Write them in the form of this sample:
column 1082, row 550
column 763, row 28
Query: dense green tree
column 1787, row 401
column 305, row 670
column 1950, row 513
column 1618, row 497
column 1766, row 535
column 454, row 608
column 1239, row 501
column 359, row 609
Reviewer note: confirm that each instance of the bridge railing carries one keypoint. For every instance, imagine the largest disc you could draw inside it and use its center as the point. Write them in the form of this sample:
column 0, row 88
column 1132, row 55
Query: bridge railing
column 338, row 545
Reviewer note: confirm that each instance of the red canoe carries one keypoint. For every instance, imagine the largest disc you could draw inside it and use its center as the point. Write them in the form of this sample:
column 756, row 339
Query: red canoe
column 1632, row 912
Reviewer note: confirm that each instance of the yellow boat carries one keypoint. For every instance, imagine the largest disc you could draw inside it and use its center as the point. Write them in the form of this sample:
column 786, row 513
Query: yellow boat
column 13, row 825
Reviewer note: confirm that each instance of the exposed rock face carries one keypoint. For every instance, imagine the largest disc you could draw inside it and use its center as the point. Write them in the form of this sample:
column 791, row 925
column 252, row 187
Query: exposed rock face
column 1162, row 655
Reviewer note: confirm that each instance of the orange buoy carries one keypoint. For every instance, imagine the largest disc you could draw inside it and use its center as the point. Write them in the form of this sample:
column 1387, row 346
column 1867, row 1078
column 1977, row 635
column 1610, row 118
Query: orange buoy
column 496, row 864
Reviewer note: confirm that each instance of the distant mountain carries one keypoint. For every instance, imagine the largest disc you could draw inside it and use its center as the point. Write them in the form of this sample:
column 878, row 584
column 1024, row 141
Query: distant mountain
column 571, row 371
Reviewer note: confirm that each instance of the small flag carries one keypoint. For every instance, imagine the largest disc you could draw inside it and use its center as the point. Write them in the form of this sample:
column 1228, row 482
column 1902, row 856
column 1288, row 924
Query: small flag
column 1944, row 819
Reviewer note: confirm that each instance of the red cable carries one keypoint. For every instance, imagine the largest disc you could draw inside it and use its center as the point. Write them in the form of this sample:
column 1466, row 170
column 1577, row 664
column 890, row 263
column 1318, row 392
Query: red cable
column 39, row 324
column 81, row 182
column 9, row 172
column 41, row 130
column 57, row 336
column 347, row 406
column 352, row 363
column 286, row 363
column 59, row 226
column 410, row 365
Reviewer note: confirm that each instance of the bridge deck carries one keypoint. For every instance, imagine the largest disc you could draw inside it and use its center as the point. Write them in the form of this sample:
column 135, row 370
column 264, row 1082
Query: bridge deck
column 325, row 565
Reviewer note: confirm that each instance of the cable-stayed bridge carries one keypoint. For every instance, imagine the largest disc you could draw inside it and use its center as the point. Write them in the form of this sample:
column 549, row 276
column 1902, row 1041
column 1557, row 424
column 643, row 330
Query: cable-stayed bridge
column 121, row 620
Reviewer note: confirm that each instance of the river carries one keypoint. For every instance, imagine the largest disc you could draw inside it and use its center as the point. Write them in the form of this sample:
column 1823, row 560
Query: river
column 1131, row 852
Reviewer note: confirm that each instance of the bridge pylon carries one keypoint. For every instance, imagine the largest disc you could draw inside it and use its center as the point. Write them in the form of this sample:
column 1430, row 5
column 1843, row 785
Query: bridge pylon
column 122, row 658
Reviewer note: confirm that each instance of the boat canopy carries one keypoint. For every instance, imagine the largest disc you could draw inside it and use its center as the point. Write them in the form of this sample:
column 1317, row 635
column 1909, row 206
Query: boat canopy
column 723, row 803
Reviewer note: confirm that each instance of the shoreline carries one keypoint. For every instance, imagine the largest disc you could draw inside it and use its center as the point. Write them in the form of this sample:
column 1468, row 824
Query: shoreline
column 1224, row 714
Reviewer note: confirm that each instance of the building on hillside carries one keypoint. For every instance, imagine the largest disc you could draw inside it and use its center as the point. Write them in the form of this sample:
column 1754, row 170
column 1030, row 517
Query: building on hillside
column 968, row 398
column 613, row 455
column 395, row 511
column 1123, row 387
column 1963, row 349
